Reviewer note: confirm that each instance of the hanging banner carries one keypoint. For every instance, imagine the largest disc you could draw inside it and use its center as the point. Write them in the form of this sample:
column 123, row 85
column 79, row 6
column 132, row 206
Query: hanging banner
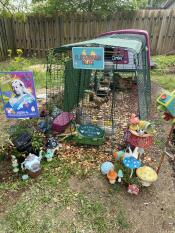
column 120, row 56
column 88, row 58
column 18, row 94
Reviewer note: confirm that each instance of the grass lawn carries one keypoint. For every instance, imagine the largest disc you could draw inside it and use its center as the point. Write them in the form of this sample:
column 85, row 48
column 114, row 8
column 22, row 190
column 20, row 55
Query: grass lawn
column 38, row 66
column 53, row 204
column 164, row 74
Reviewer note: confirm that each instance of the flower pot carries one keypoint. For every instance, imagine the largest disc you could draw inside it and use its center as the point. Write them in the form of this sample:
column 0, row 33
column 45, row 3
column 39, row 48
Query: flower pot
column 134, row 139
column 33, row 174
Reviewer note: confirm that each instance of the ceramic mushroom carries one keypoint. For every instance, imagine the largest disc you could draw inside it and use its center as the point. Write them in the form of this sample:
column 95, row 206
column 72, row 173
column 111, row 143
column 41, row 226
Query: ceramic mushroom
column 106, row 167
column 132, row 163
column 147, row 175
column 112, row 176
column 120, row 175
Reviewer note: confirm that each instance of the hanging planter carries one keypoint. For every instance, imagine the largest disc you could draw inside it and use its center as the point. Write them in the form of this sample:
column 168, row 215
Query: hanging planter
column 134, row 139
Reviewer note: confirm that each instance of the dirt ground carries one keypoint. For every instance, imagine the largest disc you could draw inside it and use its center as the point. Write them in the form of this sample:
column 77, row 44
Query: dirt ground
column 152, row 211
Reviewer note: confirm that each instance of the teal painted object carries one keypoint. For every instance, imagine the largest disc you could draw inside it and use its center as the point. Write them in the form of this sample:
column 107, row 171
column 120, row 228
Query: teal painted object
column 120, row 153
column 49, row 154
column 120, row 175
column 166, row 102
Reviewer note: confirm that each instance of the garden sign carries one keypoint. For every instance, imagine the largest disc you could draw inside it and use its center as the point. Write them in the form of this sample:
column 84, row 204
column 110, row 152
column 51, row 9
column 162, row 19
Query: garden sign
column 18, row 94
column 88, row 58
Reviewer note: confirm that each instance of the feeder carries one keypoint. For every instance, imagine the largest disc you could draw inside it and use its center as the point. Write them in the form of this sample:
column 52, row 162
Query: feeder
column 61, row 122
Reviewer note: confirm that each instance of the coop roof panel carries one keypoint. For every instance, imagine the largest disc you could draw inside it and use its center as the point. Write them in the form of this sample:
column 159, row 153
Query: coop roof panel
column 128, row 43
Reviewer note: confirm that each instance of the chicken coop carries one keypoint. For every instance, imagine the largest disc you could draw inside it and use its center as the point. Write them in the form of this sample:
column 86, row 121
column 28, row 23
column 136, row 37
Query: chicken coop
column 83, row 79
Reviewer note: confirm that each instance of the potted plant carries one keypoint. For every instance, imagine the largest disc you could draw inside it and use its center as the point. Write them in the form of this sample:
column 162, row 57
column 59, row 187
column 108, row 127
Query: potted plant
column 38, row 141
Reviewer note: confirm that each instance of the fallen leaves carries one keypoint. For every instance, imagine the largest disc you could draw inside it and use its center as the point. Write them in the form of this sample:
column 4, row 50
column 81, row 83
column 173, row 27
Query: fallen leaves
column 90, row 157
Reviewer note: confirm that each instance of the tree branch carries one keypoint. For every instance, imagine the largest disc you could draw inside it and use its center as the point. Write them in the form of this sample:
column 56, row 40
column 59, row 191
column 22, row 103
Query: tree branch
column 4, row 5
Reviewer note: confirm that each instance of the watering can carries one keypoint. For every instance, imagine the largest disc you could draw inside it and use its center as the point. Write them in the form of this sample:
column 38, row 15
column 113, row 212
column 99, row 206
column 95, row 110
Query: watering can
column 31, row 163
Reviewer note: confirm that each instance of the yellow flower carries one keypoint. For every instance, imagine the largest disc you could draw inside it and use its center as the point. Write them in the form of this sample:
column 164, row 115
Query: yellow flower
column 19, row 51
column 9, row 51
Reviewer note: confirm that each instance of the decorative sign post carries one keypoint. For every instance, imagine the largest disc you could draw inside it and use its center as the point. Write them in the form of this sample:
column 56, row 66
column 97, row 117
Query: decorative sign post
column 88, row 58
column 18, row 94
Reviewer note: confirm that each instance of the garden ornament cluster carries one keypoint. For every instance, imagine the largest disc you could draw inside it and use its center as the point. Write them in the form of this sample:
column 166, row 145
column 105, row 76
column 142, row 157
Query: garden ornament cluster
column 127, row 166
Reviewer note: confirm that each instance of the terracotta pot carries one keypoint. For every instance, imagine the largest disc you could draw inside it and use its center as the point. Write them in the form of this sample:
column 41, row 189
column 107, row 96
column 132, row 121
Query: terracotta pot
column 33, row 174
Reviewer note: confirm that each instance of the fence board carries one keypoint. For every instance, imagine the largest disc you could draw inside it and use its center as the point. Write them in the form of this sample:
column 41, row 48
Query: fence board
column 38, row 34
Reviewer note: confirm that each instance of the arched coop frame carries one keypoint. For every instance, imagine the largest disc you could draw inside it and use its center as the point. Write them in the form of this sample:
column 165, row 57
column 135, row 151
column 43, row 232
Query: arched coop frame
column 124, row 51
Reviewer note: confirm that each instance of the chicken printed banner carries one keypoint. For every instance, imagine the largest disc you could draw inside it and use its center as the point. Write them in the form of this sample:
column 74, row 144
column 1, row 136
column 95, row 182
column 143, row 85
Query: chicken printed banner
column 88, row 58
column 18, row 94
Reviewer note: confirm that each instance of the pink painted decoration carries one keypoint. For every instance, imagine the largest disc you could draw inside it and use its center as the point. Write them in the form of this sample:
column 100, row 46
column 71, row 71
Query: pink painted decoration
column 133, row 189
column 134, row 119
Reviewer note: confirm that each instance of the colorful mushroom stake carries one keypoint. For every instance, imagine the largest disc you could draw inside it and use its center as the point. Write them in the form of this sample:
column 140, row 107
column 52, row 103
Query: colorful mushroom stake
column 132, row 163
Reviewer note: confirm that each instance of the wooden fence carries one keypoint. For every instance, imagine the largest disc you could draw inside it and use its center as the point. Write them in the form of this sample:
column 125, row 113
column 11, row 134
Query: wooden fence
column 38, row 33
